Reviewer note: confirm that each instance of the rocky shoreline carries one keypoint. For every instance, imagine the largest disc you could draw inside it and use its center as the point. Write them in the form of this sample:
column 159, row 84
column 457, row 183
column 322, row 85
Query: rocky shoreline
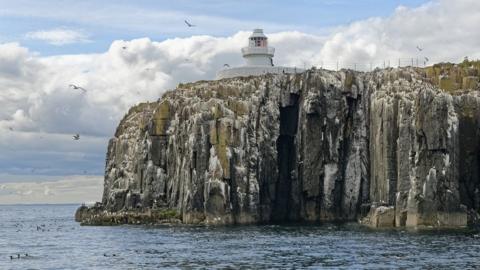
column 96, row 216
column 388, row 148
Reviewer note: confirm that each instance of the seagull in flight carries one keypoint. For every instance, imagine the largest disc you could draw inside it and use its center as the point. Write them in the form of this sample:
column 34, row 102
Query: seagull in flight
column 226, row 65
column 426, row 61
column 419, row 49
column 189, row 24
column 124, row 47
column 75, row 87
column 10, row 128
column 76, row 137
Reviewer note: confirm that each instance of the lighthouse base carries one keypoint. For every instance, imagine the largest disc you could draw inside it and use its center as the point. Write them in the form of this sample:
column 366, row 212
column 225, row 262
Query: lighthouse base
column 247, row 71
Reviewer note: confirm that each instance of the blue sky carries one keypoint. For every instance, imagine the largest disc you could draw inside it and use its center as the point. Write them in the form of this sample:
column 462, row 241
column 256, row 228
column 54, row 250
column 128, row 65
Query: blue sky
column 112, row 20
column 126, row 52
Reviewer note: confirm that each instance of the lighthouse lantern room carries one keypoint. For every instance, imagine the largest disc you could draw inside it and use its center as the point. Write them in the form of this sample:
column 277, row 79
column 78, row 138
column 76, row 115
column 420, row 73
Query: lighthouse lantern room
column 259, row 60
column 258, row 53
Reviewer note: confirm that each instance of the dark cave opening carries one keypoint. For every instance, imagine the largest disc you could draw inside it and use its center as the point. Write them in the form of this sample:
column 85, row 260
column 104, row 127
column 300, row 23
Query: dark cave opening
column 286, row 159
column 469, row 165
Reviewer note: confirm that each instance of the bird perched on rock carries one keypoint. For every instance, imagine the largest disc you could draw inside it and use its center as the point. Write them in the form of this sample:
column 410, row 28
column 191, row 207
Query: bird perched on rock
column 75, row 87
column 189, row 24
column 76, row 137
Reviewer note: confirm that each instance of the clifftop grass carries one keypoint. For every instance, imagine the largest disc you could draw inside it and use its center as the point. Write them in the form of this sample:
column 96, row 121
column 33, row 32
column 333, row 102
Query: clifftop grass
column 454, row 77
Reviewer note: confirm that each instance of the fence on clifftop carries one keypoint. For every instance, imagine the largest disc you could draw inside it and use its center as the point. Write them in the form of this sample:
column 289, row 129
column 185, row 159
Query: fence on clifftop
column 369, row 66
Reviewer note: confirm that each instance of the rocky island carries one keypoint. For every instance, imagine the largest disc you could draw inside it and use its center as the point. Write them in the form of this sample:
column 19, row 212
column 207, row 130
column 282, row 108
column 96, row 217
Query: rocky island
column 388, row 148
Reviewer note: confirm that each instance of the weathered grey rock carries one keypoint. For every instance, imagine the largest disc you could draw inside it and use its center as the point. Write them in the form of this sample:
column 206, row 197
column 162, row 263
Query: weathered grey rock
column 307, row 147
column 380, row 217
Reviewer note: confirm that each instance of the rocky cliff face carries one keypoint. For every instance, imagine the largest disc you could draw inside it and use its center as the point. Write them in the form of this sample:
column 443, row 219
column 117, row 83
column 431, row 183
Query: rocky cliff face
column 317, row 146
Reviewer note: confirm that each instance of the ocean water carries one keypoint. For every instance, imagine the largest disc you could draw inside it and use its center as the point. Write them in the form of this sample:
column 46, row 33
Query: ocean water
column 53, row 240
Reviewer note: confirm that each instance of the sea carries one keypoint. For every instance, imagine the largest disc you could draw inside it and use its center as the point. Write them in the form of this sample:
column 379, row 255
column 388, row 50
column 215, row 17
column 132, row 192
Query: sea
column 47, row 237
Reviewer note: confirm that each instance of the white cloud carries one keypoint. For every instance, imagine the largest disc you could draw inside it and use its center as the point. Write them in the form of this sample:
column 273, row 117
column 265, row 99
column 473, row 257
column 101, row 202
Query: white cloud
column 59, row 36
column 44, row 112
column 447, row 30
column 72, row 189
column 47, row 191
column 128, row 73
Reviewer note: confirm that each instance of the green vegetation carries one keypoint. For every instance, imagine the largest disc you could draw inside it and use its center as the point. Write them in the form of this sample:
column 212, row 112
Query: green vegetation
column 454, row 77
column 168, row 214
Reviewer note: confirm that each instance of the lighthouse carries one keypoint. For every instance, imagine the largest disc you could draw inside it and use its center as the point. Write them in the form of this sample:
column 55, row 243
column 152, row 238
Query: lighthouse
column 258, row 59
column 258, row 53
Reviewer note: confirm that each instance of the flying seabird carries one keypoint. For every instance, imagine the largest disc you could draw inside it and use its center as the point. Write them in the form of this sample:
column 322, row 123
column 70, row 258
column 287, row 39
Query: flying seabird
column 76, row 137
column 10, row 128
column 189, row 24
column 426, row 59
column 226, row 65
column 418, row 48
column 75, row 87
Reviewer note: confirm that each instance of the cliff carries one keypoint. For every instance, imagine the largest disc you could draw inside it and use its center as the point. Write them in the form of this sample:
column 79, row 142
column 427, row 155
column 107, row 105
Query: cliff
column 388, row 147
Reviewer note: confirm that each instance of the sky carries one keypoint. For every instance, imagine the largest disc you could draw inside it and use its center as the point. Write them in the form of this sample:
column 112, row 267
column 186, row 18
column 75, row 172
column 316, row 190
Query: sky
column 126, row 52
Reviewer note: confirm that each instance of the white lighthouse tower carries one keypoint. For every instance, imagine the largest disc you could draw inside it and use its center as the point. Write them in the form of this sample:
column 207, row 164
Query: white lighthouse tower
column 259, row 59
column 258, row 53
